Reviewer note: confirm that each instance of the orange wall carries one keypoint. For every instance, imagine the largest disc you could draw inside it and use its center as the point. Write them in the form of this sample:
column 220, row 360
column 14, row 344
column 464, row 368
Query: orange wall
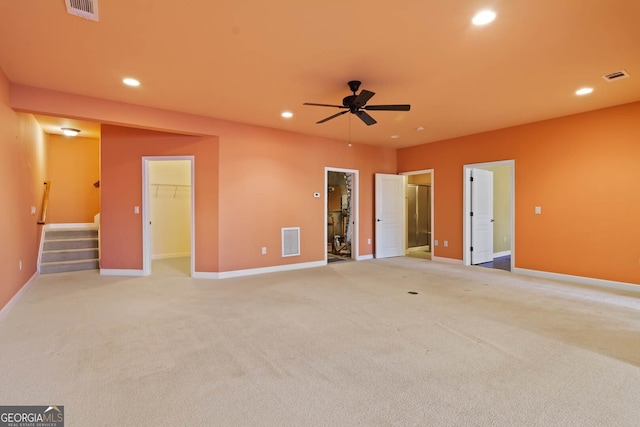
column 267, row 181
column 22, row 172
column 122, row 150
column 73, row 166
column 583, row 170
column 264, row 180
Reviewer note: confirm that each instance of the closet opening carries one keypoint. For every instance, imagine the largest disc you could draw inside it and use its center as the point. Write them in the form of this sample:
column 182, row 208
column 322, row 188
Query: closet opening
column 168, row 237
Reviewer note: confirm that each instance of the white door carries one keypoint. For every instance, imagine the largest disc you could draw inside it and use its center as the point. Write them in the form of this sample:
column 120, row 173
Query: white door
column 481, row 216
column 390, row 215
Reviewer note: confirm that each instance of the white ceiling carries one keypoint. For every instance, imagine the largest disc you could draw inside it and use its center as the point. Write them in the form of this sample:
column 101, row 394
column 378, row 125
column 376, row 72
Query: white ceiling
column 248, row 61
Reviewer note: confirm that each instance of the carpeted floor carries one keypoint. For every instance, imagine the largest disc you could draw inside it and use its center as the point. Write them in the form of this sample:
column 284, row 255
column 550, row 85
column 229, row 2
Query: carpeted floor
column 394, row 342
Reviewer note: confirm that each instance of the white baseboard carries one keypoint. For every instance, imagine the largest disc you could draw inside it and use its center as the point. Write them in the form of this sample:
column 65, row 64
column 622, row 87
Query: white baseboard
column 579, row 279
column 364, row 257
column 446, row 260
column 75, row 226
column 117, row 272
column 14, row 300
column 500, row 254
column 173, row 255
column 254, row 271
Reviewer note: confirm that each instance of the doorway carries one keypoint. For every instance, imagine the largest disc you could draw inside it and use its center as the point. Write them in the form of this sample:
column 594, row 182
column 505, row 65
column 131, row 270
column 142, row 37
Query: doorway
column 168, row 230
column 341, row 214
column 488, row 206
column 419, row 217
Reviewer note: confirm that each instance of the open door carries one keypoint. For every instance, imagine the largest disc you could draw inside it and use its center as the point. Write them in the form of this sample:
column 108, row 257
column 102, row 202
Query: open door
column 390, row 215
column 481, row 216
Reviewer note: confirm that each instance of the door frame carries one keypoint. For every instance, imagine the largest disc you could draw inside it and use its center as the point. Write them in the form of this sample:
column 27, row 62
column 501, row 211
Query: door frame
column 146, row 211
column 466, row 207
column 424, row 172
column 355, row 214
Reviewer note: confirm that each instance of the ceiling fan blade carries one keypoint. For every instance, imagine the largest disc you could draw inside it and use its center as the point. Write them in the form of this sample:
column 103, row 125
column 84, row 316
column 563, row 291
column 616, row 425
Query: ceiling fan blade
column 362, row 98
column 332, row 117
column 366, row 118
column 324, row 105
column 398, row 107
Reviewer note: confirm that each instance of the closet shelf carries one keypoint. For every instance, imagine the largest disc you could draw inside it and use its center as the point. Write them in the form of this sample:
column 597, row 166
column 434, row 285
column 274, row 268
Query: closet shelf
column 170, row 187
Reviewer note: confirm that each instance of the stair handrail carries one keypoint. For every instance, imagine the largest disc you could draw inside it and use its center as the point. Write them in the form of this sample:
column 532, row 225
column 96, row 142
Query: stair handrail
column 45, row 203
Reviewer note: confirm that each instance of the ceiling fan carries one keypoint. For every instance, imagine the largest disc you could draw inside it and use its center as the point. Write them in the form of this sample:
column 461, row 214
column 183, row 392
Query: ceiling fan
column 356, row 104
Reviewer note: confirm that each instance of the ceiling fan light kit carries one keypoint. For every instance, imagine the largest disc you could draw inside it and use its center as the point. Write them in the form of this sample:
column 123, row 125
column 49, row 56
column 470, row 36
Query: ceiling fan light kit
column 357, row 104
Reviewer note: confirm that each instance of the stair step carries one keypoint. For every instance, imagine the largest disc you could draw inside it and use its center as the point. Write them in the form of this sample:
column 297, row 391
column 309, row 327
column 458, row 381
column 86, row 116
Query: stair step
column 71, row 233
column 69, row 255
column 65, row 266
column 71, row 248
column 85, row 243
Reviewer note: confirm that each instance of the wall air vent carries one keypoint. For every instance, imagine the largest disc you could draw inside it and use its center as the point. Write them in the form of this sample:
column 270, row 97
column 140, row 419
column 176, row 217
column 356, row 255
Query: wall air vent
column 622, row 74
column 291, row 241
column 87, row 9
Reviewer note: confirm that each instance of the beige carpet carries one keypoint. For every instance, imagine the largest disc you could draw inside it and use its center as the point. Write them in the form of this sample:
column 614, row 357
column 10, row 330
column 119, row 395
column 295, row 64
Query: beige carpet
column 341, row 345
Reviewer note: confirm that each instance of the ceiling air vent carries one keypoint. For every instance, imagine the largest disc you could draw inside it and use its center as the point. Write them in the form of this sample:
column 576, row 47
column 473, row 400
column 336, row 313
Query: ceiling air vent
column 622, row 74
column 87, row 9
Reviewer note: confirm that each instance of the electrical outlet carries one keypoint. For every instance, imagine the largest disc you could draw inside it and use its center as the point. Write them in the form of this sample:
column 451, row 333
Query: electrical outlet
column 435, row 243
column 446, row 243
column 33, row 210
column 136, row 210
column 264, row 250
column 368, row 241
column 538, row 210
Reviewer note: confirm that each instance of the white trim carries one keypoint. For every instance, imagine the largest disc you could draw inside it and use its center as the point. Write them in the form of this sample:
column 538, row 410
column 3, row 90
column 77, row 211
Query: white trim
column 578, row 279
column 41, row 248
column 118, row 272
column 173, row 255
column 466, row 208
column 355, row 198
column 14, row 300
column 75, row 226
column 445, row 260
column 145, row 214
column 255, row 271
column 364, row 257
column 501, row 254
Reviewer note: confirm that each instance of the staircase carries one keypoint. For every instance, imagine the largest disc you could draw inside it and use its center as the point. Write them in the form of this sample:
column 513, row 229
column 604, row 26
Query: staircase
column 69, row 249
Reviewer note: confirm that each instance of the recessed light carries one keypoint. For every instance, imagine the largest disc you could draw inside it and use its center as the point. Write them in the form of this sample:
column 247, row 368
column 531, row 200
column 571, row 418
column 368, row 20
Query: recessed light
column 420, row 128
column 395, row 136
column 484, row 17
column 70, row 131
column 287, row 114
column 584, row 91
column 131, row 82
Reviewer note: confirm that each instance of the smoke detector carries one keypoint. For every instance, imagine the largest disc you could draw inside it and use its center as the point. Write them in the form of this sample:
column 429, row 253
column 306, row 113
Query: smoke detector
column 622, row 74
column 87, row 9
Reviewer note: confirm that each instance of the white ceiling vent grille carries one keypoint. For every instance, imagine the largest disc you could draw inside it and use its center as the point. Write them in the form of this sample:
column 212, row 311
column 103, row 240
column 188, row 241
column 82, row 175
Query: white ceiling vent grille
column 622, row 74
column 87, row 9
column 291, row 241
